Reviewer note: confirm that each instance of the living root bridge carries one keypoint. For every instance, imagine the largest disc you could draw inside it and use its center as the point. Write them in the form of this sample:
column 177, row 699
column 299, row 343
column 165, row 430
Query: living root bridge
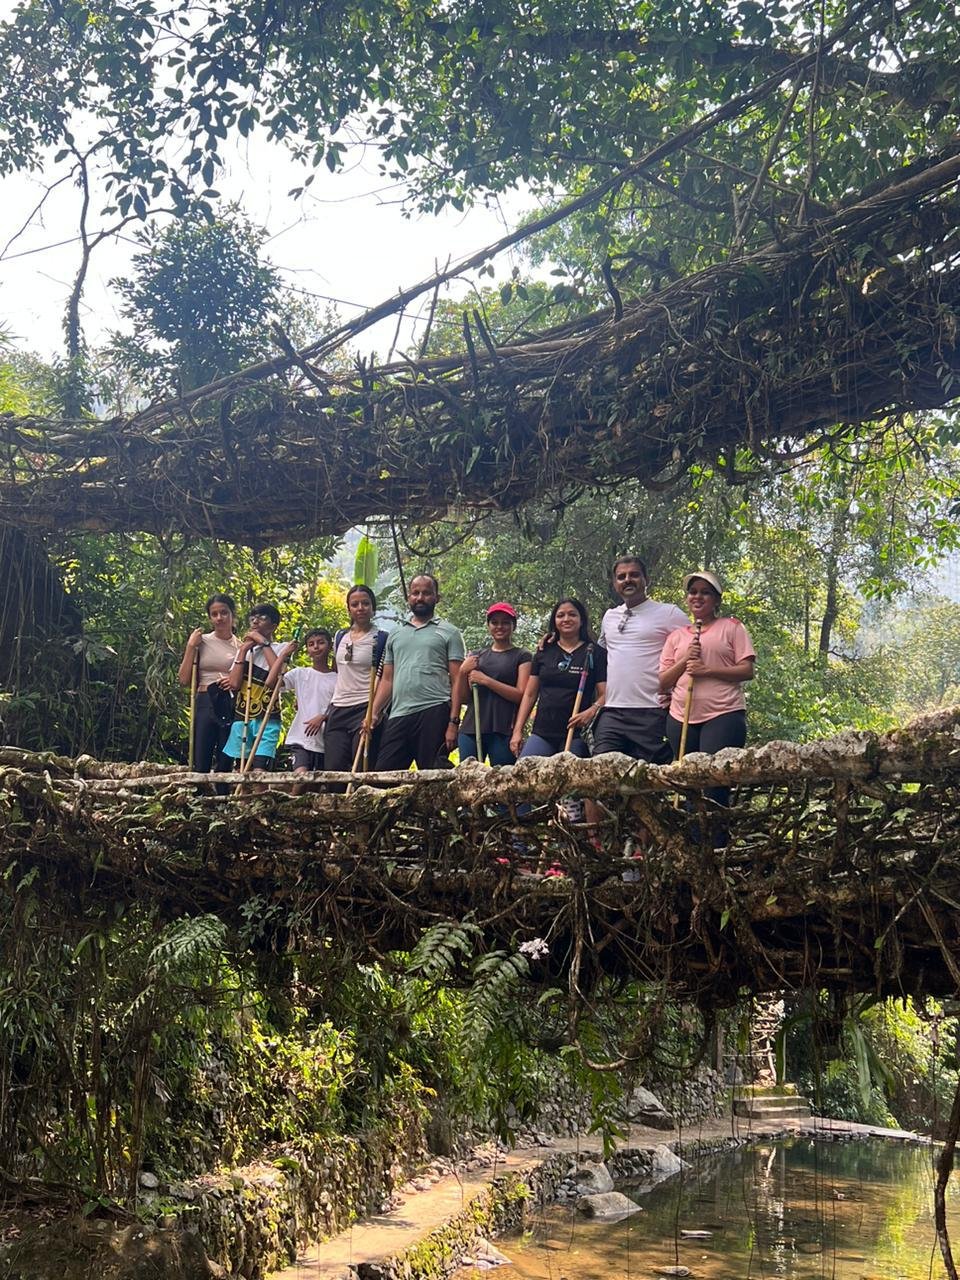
column 842, row 867
column 849, row 318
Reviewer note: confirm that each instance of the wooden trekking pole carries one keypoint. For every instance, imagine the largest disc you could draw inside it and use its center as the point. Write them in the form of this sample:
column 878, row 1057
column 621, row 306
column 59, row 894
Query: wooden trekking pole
column 375, row 670
column 274, row 695
column 363, row 746
column 687, row 708
column 587, row 667
column 476, row 721
column 375, row 674
column 191, row 745
column 688, row 704
column 275, row 691
column 246, row 711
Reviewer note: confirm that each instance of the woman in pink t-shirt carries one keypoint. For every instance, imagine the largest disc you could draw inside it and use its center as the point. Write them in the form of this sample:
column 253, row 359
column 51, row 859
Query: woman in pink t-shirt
column 718, row 665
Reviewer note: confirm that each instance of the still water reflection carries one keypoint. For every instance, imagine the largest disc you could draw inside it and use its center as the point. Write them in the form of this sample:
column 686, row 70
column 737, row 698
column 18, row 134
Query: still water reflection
column 797, row 1209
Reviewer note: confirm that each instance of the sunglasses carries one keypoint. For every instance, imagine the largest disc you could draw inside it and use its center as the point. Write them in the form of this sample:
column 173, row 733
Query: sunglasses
column 565, row 661
column 622, row 624
column 348, row 651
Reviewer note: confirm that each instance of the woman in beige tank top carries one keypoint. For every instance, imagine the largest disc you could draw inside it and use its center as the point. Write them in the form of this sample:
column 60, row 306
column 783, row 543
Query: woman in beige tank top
column 212, row 652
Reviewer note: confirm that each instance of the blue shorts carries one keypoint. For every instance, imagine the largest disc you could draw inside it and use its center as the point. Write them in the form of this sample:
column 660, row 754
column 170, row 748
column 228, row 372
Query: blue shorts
column 268, row 743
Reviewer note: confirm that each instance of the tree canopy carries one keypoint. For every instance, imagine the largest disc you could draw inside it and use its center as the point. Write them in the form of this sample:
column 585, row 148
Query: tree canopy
column 766, row 201
column 463, row 98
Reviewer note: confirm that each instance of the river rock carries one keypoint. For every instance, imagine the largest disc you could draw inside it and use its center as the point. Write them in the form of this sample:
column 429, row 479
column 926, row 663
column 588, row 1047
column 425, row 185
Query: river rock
column 150, row 1181
column 607, row 1206
column 665, row 1163
column 593, row 1179
column 672, row 1271
column 485, row 1257
column 696, row 1235
column 646, row 1108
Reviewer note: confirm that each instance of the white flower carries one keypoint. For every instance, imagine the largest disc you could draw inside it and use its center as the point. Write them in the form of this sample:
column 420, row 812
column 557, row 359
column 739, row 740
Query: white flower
column 535, row 948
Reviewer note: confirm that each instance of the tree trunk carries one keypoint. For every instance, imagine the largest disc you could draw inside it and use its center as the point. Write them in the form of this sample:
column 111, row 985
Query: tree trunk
column 36, row 608
column 832, row 608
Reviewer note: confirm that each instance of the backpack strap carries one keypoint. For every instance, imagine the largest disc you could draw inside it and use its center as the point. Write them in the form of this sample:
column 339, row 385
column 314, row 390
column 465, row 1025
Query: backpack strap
column 378, row 647
column 379, row 644
column 337, row 637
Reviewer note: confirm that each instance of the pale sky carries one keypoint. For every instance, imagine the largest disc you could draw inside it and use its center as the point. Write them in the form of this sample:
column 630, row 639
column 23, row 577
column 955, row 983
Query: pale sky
column 346, row 240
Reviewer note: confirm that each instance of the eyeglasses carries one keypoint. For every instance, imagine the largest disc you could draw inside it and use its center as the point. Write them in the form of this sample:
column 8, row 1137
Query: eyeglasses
column 565, row 661
column 258, row 617
column 622, row 624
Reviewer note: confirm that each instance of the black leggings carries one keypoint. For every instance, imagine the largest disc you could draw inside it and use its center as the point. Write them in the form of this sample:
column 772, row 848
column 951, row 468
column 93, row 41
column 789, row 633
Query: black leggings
column 341, row 735
column 728, row 730
column 209, row 739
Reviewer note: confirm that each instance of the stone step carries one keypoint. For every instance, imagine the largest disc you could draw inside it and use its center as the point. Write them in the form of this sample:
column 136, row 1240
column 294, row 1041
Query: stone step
column 772, row 1101
column 765, row 1090
column 772, row 1109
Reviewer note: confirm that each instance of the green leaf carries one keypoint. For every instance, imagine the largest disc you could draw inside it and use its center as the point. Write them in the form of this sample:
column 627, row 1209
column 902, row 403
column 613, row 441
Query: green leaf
column 366, row 562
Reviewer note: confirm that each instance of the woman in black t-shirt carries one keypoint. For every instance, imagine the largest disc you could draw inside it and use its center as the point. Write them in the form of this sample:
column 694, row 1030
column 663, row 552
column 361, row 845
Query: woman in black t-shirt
column 554, row 680
column 500, row 675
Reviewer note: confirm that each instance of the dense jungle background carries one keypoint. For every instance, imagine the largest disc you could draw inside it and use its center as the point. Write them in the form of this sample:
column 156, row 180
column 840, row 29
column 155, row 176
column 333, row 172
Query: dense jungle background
column 134, row 1041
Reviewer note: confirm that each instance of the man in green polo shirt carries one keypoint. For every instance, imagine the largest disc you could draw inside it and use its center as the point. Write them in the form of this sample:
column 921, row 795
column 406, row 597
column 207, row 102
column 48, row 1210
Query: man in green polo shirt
column 420, row 666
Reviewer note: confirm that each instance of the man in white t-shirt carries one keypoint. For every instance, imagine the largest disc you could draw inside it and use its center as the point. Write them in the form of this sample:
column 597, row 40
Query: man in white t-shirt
column 633, row 718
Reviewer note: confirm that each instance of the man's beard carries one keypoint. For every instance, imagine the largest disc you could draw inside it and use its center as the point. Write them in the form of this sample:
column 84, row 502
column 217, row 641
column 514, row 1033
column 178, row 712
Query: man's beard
column 422, row 610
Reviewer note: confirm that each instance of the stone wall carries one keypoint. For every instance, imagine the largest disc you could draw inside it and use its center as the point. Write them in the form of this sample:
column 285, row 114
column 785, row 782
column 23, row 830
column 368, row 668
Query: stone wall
column 252, row 1220
column 564, row 1110
column 703, row 1095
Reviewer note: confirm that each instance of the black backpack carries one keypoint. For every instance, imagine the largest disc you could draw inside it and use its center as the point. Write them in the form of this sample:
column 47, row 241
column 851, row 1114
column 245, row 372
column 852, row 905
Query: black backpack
column 223, row 703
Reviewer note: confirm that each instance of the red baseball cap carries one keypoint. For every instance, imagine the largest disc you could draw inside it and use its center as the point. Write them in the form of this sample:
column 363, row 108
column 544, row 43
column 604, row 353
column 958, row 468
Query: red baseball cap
column 503, row 607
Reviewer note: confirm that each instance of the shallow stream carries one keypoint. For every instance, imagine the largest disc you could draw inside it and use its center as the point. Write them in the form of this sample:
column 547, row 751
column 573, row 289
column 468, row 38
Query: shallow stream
column 797, row 1209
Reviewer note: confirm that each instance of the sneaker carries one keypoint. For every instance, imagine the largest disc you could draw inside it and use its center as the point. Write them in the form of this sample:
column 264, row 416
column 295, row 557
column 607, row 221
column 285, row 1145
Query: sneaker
column 571, row 810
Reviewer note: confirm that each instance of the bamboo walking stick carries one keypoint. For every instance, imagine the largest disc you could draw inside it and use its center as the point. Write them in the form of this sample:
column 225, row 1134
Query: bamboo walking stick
column 587, row 667
column 246, row 711
column 275, row 691
column 570, row 809
column 191, row 746
column 687, row 708
column 274, row 695
column 369, row 717
column 688, row 704
column 476, row 721
column 375, row 673
column 363, row 746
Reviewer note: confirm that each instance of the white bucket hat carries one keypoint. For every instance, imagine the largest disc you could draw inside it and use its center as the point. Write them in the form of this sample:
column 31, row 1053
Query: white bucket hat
column 707, row 576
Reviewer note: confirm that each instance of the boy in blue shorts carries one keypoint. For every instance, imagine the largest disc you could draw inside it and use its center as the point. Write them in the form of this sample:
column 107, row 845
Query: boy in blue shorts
column 250, row 679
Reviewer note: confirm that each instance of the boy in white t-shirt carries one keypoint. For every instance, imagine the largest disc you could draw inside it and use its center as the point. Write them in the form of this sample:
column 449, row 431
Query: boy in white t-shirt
column 313, row 687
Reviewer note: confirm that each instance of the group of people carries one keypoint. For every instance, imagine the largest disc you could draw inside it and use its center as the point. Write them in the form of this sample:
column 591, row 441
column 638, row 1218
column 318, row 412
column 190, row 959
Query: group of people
column 651, row 678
